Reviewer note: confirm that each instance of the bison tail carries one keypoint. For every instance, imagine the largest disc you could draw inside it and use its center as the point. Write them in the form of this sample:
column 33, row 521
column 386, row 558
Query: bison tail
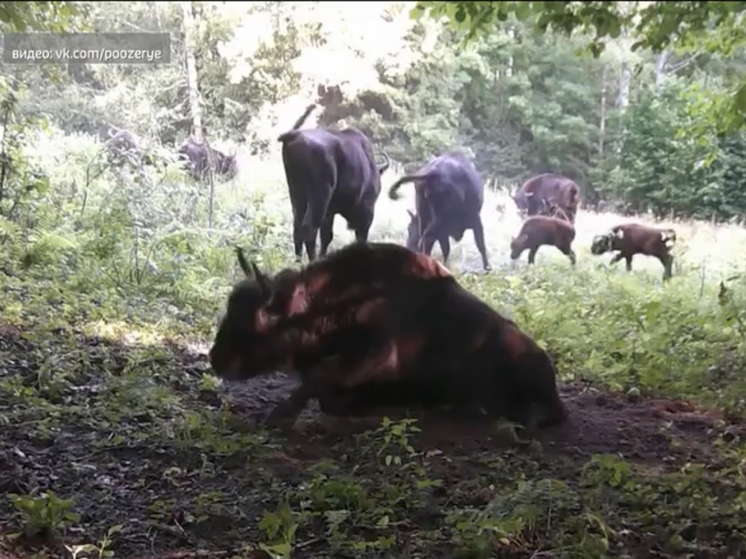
column 384, row 166
column 406, row 178
column 289, row 135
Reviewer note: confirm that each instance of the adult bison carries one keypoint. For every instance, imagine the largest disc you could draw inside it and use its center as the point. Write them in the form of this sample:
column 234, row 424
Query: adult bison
column 448, row 200
column 538, row 195
column 378, row 325
column 329, row 172
column 202, row 159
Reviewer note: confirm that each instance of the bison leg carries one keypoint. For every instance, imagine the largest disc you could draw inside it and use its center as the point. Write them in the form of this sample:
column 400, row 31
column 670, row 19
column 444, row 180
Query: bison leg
column 445, row 248
column 667, row 261
column 567, row 251
column 372, row 357
column 616, row 258
column 363, row 227
column 326, row 234
column 532, row 254
column 287, row 411
column 298, row 236
column 315, row 218
column 323, row 383
column 629, row 262
column 479, row 240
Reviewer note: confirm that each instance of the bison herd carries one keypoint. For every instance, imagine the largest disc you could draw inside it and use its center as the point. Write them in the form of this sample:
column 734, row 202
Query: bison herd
column 332, row 172
column 379, row 324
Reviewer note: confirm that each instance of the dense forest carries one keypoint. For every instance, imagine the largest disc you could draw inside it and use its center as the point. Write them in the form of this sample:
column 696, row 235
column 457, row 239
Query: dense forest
column 118, row 438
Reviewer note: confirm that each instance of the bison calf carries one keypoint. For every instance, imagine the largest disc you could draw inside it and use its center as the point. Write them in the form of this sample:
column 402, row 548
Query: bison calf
column 543, row 230
column 633, row 238
column 404, row 333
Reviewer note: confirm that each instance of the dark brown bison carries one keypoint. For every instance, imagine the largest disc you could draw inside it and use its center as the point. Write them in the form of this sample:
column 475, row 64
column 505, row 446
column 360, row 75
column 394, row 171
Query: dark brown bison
column 540, row 193
column 543, row 230
column 633, row 238
column 329, row 172
column 406, row 333
column 448, row 199
column 201, row 159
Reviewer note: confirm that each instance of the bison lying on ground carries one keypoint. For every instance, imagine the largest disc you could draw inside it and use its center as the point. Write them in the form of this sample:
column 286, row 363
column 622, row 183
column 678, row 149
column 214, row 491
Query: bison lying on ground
column 538, row 194
column 201, row 160
column 405, row 333
column 542, row 230
column 634, row 238
column 329, row 172
column 448, row 200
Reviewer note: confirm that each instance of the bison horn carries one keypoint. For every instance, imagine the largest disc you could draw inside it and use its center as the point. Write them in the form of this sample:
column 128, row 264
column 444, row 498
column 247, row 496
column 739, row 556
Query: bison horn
column 244, row 263
column 261, row 279
column 411, row 213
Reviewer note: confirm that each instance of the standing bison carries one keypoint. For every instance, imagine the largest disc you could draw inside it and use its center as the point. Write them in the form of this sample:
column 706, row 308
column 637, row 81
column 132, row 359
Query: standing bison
column 633, row 238
column 377, row 325
column 538, row 195
column 448, row 199
column 202, row 160
column 543, row 230
column 329, row 172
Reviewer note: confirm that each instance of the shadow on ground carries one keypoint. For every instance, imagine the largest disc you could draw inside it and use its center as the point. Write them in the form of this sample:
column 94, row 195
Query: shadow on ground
column 148, row 450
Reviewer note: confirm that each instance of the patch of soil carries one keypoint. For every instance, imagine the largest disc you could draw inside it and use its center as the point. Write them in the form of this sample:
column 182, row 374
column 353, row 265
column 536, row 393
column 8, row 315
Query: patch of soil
column 647, row 431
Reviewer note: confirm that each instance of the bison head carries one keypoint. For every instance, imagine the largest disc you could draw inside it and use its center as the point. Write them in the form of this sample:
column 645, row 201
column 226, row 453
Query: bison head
column 243, row 346
column 521, row 200
column 602, row 243
column 516, row 247
column 227, row 166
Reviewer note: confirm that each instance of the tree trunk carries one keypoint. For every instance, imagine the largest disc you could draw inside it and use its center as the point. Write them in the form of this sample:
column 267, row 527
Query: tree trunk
column 509, row 68
column 191, row 68
column 602, row 124
column 624, row 82
column 660, row 69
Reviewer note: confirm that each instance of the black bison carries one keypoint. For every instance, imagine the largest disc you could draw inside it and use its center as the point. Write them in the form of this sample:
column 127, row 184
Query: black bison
column 329, row 172
column 201, row 160
column 634, row 238
column 543, row 230
column 378, row 325
column 448, row 199
column 539, row 194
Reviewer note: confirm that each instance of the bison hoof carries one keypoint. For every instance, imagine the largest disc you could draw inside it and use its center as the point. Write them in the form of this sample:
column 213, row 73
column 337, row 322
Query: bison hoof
column 281, row 417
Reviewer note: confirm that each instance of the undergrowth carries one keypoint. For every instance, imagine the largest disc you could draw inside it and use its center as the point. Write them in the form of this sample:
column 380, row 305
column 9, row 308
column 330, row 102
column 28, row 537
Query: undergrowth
column 116, row 439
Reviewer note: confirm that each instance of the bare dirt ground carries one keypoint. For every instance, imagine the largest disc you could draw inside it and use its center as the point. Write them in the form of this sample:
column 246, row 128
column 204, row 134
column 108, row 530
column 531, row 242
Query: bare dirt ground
column 669, row 431
column 178, row 470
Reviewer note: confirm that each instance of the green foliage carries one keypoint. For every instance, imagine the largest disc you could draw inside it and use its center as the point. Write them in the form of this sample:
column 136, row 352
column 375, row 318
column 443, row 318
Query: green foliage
column 45, row 515
column 41, row 16
column 655, row 25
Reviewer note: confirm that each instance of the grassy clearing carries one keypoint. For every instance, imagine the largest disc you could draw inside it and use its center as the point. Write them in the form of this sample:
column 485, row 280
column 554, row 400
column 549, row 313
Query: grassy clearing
column 117, row 442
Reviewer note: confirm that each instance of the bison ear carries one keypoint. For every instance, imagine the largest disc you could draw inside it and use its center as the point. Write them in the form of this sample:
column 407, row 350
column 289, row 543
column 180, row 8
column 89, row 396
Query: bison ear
column 244, row 263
